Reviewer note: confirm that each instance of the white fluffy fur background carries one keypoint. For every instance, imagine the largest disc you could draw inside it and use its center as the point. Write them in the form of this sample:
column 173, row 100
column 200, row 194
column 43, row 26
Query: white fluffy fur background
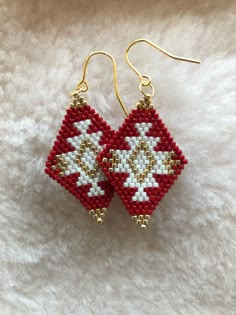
column 54, row 258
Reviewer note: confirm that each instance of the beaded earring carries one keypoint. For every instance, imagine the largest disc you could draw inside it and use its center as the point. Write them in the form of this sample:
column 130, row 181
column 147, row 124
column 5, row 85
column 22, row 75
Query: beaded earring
column 142, row 161
column 72, row 160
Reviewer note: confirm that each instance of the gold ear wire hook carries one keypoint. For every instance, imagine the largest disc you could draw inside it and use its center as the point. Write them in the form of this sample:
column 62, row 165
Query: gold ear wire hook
column 83, row 85
column 144, row 79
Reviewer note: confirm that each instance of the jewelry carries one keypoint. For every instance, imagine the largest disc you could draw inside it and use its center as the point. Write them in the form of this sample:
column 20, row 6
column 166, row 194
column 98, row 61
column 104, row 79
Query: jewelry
column 142, row 160
column 72, row 160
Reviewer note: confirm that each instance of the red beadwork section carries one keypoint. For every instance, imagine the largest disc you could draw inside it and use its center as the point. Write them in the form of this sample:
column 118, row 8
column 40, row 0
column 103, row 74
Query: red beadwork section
column 72, row 160
column 142, row 161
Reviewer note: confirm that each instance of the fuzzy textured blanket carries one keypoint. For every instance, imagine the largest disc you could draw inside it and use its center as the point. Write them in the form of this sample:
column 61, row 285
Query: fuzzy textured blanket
column 54, row 258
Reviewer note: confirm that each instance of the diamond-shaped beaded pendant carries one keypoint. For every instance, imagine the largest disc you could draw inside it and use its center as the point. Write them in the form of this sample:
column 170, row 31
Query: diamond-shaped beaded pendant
column 142, row 161
column 72, row 160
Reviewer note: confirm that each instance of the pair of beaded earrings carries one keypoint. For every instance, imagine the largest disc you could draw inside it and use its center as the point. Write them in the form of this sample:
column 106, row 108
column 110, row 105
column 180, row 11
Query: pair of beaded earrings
column 140, row 161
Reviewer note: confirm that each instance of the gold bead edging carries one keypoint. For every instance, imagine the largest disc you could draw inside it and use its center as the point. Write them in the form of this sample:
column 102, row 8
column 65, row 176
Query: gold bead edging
column 169, row 162
column 98, row 214
column 87, row 145
column 145, row 103
column 142, row 220
column 61, row 165
column 77, row 101
column 142, row 146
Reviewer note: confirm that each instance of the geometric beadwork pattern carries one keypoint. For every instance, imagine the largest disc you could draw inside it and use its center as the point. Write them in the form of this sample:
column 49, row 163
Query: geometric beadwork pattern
column 142, row 162
column 72, row 161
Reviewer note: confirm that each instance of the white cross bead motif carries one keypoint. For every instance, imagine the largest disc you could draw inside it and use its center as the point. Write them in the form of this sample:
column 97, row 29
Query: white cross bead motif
column 141, row 162
column 83, row 159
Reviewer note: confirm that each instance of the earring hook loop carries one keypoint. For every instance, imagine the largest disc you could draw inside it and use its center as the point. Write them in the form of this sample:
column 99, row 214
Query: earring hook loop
column 83, row 84
column 144, row 79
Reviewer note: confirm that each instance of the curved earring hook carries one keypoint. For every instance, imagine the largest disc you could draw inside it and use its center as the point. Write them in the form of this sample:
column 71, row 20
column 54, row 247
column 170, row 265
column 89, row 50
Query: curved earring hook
column 83, row 85
column 144, row 79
